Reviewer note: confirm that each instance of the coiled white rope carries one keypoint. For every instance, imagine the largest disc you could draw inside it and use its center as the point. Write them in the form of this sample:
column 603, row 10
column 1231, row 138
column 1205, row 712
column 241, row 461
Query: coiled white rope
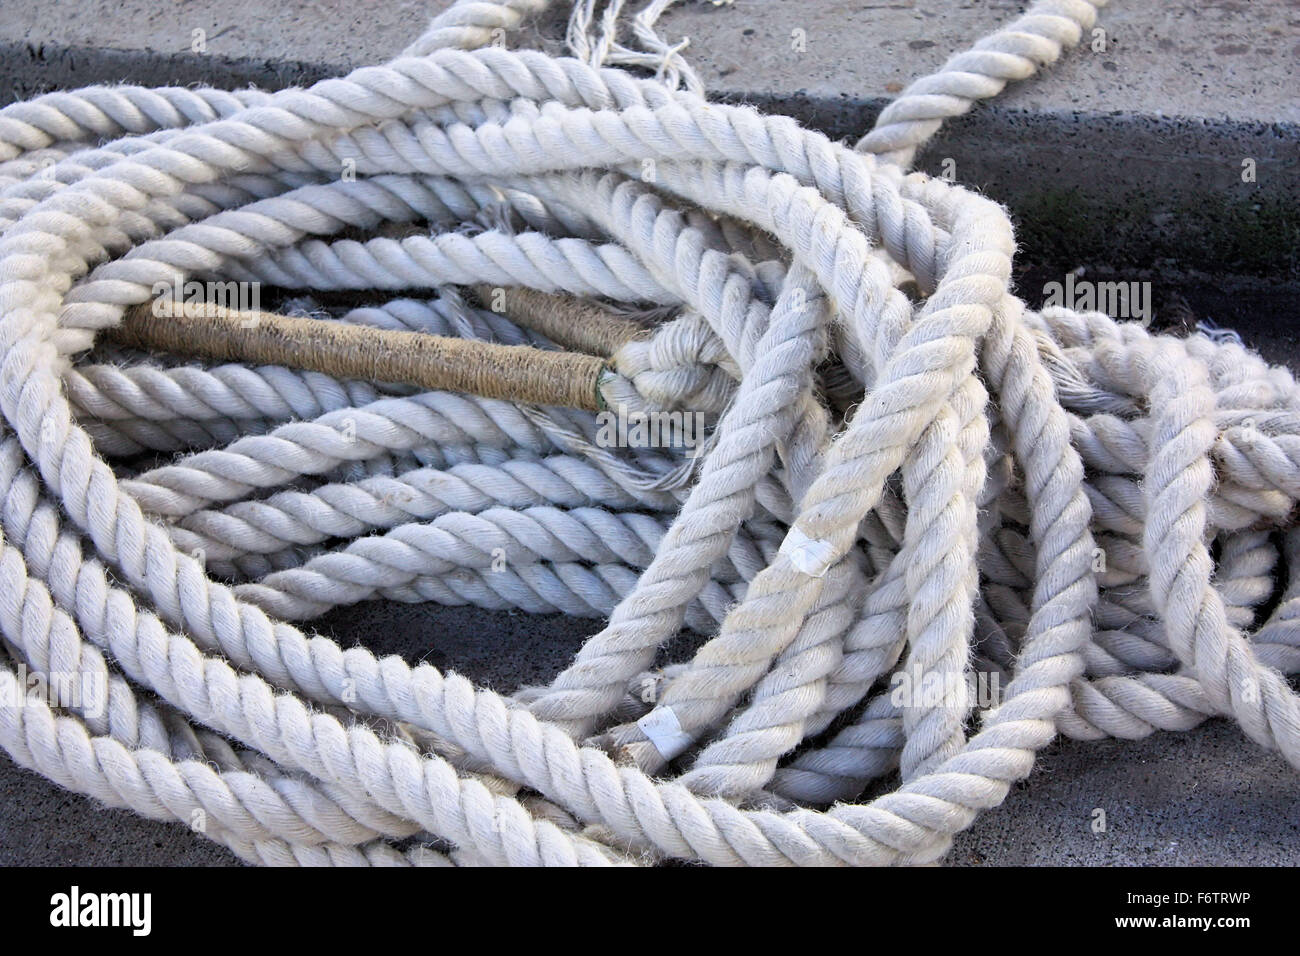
column 890, row 488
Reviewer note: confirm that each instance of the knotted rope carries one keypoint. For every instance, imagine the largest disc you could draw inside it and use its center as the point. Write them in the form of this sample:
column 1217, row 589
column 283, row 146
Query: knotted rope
column 924, row 487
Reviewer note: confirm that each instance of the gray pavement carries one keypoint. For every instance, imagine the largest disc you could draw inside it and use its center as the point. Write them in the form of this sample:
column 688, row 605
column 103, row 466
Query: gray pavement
column 1126, row 162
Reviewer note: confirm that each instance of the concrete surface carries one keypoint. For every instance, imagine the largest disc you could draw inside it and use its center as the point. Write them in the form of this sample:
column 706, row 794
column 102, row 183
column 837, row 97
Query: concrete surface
column 1126, row 162
column 1129, row 155
column 1216, row 59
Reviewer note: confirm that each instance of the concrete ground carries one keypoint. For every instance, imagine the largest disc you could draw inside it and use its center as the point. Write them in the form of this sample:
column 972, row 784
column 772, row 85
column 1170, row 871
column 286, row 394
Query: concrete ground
column 1125, row 160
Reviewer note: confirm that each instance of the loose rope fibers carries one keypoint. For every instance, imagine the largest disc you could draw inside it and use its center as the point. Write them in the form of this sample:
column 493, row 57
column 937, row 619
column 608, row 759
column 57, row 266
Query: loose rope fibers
column 907, row 472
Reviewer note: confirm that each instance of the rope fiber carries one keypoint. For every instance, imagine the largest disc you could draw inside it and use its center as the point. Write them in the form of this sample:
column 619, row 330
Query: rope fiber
column 904, row 482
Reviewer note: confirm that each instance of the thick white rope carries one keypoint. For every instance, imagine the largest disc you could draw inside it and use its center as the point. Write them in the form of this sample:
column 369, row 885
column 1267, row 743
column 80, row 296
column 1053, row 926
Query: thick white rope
column 921, row 488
